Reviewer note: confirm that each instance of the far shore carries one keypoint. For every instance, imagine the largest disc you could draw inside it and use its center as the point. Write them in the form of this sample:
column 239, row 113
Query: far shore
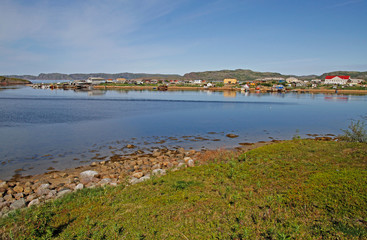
column 262, row 90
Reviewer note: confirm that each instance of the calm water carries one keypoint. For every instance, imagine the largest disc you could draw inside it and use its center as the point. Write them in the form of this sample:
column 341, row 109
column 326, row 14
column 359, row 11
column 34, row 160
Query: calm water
column 63, row 129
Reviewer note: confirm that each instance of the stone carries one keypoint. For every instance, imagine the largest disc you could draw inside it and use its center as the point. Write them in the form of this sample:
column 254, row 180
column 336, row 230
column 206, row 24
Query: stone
column 63, row 192
column 18, row 204
column 94, row 164
column 190, row 163
column 4, row 204
column 18, row 189
column 186, row 159
column 130, row 146
column 4, row 185
column 181, row 165
column 27, row 190
column 34, row 202
column 19, row 196
column 87, row 176
column 105, row 181
column 158, row 172
column 31, row 197
column 138, row 174
column 43, row 191
column 231, row 135
column 8, row 198
column 156, row 166
column 79, row 187
column 134, row 180
column 51, row 194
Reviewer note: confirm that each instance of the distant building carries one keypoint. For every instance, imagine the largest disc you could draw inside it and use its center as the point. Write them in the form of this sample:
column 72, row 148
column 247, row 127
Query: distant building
column 120, row 80
column 338, row 80
column 292, row 80
column 230, row 81
column 95, row 80
column 198, row 81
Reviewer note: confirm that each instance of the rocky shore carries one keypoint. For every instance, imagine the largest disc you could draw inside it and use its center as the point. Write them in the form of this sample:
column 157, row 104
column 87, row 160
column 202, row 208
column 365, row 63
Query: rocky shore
column 128, row 170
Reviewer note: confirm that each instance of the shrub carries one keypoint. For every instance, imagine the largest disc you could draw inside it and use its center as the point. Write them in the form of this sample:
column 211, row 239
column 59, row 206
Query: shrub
column 356, row 132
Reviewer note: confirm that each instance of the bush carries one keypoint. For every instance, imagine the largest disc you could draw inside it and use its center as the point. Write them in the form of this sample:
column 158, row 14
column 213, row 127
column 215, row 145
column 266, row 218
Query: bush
column 356, row 132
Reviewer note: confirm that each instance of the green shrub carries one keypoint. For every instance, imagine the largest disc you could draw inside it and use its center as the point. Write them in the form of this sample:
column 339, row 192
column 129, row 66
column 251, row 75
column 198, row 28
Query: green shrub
column 356, row 132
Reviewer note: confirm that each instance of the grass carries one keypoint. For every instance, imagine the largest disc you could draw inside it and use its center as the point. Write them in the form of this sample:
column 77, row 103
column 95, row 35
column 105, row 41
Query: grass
column 300, row 189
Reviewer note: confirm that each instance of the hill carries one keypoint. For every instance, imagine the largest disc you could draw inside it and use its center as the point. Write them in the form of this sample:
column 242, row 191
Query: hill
column 12, row 81
column 83, row 76
column 239, row 74
column 300, row 189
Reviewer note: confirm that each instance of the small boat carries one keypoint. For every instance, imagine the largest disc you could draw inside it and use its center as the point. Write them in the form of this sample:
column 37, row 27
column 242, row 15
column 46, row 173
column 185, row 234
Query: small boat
column 162, row 88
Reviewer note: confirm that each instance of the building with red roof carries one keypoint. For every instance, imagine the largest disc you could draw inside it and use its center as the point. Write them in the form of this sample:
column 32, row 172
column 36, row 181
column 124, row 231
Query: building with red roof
column 339, row 80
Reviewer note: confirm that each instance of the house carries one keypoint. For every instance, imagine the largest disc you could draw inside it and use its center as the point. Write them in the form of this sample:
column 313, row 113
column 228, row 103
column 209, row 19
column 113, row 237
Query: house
column 230, row 81
column 292, row 80
column 120, row 80
column 95, row 80
column 339, row 80
column 197, row 81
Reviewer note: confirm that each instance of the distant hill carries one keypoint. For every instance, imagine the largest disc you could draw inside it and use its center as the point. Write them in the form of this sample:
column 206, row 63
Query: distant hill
column 83, row 76
column 12, row 81
column 239, row 74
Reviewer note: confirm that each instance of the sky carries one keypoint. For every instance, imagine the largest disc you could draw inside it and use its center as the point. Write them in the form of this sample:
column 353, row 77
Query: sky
column 298, row 37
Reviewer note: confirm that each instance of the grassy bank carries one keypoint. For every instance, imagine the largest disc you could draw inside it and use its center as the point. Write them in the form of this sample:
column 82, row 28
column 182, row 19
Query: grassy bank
column 301, row 189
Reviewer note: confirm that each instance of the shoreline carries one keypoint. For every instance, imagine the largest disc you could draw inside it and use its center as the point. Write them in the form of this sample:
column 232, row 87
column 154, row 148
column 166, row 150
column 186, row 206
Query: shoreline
column 26, row 191
column 219, row 89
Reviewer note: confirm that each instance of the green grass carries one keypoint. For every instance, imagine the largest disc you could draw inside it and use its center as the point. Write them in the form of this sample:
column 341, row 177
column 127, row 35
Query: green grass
column 301, row 189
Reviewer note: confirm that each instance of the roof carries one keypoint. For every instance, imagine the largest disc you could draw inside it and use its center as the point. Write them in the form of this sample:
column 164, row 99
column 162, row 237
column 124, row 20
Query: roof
column 342, row 77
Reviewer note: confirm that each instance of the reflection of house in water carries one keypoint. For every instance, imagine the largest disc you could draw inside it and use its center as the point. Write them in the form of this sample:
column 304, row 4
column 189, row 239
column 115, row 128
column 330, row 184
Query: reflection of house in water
column 229, row 93
column 96, row 92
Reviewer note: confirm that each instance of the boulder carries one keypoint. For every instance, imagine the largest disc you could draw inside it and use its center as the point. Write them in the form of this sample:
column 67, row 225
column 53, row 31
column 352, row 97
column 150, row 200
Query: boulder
column 63, row 192
column 18, row 204
column 88, row 176
column 34, row 202
column 8, row 198
column 79, row 186
column 18, row 189
column 138, row 174
column 158, row 172
column 190, row 163
column 105, row 181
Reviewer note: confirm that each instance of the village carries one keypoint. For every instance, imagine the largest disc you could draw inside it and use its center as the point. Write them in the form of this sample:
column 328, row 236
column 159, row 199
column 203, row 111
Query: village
column 270, row 84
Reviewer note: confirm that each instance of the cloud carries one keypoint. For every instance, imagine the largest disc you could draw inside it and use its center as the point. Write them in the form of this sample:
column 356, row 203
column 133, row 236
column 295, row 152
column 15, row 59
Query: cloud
column 84, row 32
column 345, row 3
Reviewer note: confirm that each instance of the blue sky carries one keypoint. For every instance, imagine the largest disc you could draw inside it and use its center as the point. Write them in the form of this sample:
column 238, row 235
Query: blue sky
column 180, row 36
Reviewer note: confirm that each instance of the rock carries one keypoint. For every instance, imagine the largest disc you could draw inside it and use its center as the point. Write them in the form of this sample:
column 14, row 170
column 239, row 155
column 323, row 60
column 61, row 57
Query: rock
column 230, row 135
column 4, row 204
column 181, row 165
column 94, row 164
column 27, row 190
column 34, row 202
column 63, row 175
column 145, row 178
column 158, row 172
column 8, row 198
column 18, row 204
column 130, row 146
column 63, row 192
column 4, row 185
column 134, row 180
column 19, row 196
column 79, row 187
column 190, row 163
column 105, row 181
column 31, row 197
column 43, row 191
column 18, row 189
column 87, row 176
column 156, row 166
column 138, row 174
column 186, row 159
column 51, row 194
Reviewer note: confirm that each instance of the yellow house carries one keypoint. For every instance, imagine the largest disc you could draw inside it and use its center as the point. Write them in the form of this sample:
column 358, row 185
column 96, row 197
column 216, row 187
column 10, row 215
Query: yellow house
column 230, row 81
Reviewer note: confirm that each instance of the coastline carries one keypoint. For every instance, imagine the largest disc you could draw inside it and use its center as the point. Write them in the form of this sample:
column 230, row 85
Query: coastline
column 252, row 90
column 25, row 191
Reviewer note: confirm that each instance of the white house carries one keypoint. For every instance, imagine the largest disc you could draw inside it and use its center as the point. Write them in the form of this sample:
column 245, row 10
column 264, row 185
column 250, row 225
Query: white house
column 292, row 80
column 337, row 80
column 95, row 80
column 198, row 81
